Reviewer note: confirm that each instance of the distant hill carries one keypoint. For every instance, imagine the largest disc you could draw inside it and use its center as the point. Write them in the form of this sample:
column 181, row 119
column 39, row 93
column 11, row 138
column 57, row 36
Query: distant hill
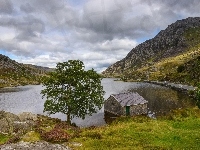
column 13, row 73
column 162, row 57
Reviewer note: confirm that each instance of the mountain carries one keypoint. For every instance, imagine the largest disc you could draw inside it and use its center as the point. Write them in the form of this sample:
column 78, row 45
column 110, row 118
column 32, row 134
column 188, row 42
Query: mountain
column 13, row 73
column 160, row 57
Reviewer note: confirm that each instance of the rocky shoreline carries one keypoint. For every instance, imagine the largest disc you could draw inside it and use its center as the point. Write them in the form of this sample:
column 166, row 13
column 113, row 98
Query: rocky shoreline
column 18, row 127
column 178, row 87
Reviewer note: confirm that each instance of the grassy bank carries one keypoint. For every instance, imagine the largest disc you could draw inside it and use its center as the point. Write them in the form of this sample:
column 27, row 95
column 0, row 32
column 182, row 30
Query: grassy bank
column 179, row 130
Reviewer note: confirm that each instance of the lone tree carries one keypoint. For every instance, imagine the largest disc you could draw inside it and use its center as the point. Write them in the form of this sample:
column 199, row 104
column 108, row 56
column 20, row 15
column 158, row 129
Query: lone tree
column 72, row 91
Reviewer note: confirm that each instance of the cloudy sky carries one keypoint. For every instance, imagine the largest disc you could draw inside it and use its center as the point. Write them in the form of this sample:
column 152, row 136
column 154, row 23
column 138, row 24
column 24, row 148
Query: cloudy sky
column 98, row 32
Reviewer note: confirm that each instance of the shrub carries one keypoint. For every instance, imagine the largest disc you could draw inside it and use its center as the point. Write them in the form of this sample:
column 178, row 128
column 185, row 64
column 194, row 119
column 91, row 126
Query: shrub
column 180, row 68
column 94, row 135
column 197, row 95
column 191, row 92
column 55, row 135
column 13, row 139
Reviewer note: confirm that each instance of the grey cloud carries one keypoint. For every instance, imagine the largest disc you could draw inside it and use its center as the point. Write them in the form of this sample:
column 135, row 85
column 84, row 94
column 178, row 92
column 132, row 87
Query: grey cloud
column 106, row 25
column 28, row 23
column 190, row 7
column 93, row 25
column 6, row 7
column 102, row 21
column 27, row 8
column 26, row 30
column 58, row 15
column 47, row 6
column 14, row 48
column 29, row 27
column 29, row 49
column 176, row 5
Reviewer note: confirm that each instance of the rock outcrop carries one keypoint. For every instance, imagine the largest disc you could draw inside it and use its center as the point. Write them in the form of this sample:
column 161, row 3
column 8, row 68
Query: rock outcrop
column 10, row 122
column 167, row 43
column 28, row 131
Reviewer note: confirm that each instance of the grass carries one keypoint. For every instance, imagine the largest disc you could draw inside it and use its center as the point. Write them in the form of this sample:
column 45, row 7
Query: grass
column 3, row 138
column 31, row 136
column 179, row 131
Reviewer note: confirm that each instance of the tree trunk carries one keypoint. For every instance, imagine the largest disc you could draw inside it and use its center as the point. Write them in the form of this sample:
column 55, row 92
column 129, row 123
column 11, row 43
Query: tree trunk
column 68, row 119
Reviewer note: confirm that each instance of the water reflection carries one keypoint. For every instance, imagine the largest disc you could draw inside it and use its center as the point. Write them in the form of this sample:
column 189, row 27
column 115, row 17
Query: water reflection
column 162, row 100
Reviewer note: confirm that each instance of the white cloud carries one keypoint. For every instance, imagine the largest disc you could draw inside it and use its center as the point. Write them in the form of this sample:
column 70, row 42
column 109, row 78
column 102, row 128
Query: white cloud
column 117, row 44
column 99, row 32
column 7, row 34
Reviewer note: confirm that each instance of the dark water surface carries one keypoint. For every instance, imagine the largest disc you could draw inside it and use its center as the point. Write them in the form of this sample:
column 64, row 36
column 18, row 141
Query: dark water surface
column 160, row 99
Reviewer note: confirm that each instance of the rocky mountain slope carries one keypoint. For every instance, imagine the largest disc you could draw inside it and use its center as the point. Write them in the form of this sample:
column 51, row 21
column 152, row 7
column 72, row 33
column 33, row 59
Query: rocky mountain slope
column 159, row 58
column 13, row 73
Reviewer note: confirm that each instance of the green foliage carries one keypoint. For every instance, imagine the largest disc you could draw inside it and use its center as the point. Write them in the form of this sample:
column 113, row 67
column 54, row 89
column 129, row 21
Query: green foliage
column 191, row 92
column 31, row 136
column 180, row 68
column 198, row 92
column 73, row 91
column 197, row 95
column 3, row 138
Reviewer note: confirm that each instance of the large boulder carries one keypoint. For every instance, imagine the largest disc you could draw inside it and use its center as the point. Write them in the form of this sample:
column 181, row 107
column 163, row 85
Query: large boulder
column 10, row 122
column 7, row 121
column 27, row 116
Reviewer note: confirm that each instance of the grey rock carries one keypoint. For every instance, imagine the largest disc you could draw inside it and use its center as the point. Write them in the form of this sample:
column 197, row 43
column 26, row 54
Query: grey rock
column 27, row 116
column 13, row 123
column 7, row 121
column 34, row 146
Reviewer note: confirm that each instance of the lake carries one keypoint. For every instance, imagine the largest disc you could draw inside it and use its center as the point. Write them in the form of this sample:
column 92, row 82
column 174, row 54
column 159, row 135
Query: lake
column 160, row 99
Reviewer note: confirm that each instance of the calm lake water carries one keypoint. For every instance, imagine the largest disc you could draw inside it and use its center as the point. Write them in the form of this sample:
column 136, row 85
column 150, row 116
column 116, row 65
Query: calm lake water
column 160, row 99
